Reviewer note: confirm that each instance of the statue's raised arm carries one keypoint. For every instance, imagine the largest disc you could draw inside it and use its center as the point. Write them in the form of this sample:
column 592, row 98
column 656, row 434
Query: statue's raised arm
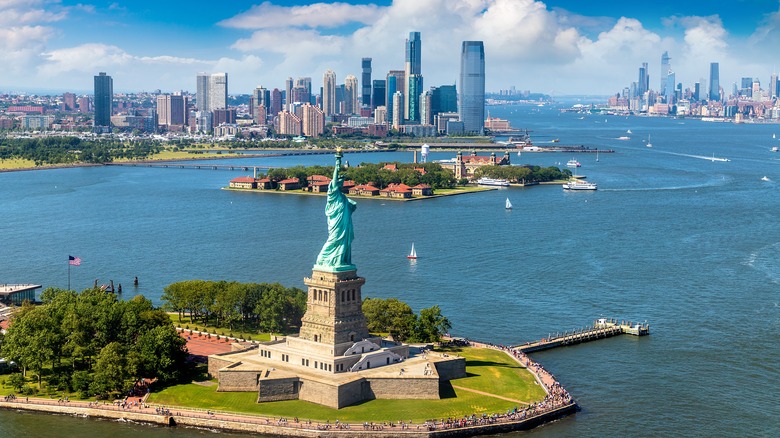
column 336, row 254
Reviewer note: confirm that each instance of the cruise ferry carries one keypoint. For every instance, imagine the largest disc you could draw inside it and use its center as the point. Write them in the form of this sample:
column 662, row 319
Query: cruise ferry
column 493, row 182
column 573, row 163
column 576, row 184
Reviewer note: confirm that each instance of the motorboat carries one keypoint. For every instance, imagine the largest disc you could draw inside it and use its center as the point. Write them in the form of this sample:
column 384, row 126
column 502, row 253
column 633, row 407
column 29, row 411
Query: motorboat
column 573, row 163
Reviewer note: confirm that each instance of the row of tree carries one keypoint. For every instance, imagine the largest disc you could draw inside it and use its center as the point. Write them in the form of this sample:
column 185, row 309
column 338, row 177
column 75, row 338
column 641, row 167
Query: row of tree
column 376, row 174
column 526, row 173
column 396, row 318
column 266, row 307
column 94, row 343
column 67, row 150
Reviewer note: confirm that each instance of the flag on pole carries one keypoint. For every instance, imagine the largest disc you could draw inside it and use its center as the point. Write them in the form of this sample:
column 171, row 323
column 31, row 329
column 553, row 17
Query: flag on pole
column 74, row 261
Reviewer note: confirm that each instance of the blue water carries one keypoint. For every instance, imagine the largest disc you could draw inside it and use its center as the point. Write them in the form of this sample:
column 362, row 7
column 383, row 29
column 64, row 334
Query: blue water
column 671, row 237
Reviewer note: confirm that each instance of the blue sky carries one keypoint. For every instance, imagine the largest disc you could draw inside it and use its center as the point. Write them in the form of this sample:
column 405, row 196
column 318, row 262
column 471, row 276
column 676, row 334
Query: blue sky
column 555, row 46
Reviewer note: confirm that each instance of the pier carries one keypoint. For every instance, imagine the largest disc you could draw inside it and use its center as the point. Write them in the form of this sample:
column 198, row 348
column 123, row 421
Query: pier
column 601, row 329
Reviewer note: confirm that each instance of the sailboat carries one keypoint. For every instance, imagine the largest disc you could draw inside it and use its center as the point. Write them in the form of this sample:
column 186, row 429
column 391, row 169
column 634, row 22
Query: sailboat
column 597, row 155
column 413, row 254
column 508, row 204
column 648, row 141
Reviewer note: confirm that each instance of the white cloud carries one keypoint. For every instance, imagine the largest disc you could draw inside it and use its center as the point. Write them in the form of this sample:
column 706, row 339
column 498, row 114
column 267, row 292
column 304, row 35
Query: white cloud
column 268, row 15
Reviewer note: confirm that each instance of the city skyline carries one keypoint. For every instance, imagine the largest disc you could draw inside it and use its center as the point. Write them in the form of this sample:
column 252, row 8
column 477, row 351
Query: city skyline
column 553, row 47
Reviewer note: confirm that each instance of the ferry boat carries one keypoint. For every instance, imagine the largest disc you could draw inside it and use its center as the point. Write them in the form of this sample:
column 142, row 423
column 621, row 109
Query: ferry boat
column 576, row 184
column 573, row 163
column 493, row 182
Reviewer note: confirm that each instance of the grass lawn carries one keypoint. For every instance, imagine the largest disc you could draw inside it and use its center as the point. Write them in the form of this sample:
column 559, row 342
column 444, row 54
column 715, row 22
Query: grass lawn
column 488, row 370
column 170, row 155
column 462, row 189
column 16, row 163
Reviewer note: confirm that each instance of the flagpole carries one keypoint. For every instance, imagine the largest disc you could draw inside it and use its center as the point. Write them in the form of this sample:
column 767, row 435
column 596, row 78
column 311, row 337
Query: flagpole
column 69, row 273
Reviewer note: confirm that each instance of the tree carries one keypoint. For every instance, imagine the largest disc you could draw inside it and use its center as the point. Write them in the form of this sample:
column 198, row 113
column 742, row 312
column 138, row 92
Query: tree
column 431, row 325
column 390, row 316
column 111, row 372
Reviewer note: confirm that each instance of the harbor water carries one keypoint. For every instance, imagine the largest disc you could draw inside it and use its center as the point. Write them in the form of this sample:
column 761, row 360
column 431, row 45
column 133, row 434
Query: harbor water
column 672, row 237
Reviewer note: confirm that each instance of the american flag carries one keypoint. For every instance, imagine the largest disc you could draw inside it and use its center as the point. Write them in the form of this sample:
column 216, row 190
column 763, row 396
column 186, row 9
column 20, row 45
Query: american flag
column 74, row 261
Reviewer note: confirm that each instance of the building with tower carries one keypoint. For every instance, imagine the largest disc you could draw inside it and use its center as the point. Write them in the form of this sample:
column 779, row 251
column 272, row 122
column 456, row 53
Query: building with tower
column 471, row 100
column 334, row 361
column 104, row 103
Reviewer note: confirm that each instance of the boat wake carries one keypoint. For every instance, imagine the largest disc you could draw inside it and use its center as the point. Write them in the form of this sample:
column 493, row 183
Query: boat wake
column 764, row 260
column 714, row 183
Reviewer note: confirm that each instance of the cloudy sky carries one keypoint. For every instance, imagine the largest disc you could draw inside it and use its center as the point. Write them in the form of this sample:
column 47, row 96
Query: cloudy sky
column 553, row 46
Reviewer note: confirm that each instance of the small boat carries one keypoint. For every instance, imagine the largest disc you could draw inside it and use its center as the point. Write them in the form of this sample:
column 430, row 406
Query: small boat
column 765, row 178
column 624, row 138
column 629, row 132
column 714, row 158
column 509, row 204
column 413, row 254
column 556, row 140
column 775, row 149
column 573, row 163
column 484, row 181
column 576, row 184
column 648, row 141
column 597, row 155
column 773, row 136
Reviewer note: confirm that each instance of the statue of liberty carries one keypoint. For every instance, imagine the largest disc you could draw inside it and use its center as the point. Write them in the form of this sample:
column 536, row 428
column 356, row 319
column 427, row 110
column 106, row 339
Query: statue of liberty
column 336, row 254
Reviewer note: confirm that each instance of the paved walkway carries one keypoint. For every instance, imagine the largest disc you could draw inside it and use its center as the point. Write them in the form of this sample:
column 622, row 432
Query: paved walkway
column 491, row 395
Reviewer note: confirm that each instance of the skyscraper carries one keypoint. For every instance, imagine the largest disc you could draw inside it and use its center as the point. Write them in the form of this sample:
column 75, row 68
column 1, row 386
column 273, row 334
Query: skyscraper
column 644, row 80
column 714, row 82
column 378, row 93
column 665, row 67
column 329, row 93
column 413, row 66
column 471, row 101
column 444, row 99
column 415, row 88
column 396, row 119
column 218, row 91
column 104, row 98
column 276, row 101
column 395, row 83
column 773, row 85
column 260, row 97
column 171, row 110
column 202, row 91
column 288, row 86
column 366, row 82
column 351, row 95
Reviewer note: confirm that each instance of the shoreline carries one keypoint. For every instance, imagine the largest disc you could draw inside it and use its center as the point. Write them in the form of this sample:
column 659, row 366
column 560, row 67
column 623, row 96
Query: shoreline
column 379, row 198
column 557, row 404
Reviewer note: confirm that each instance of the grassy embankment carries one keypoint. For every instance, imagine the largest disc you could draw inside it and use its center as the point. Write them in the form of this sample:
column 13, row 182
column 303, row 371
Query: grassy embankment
column 237, row 332
column 489, row 371
column 16, row 163
column 165, row 155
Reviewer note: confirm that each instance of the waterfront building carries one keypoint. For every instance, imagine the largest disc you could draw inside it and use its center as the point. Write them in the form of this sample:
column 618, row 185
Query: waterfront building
column 471, row 101
column 413, row 75
column 442, row 120
column 329, row 93
column 312, row 121
column 366, row 83
column 104, row 100
column 398, row 102
column 466, row 165
column 378, row 93
column 714, row 94
column 16, row 294
column 351, row 95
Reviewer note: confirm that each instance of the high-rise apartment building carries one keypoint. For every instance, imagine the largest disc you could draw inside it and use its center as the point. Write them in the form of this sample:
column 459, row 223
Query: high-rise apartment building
column 202, row 91
column 288, row 86
column 644, row 80
column 329, row 93
column 415, row 88
column 171, row 110
column 397, row 116
column 471, row 101
column 412, row 67
column 312, row 120
column 714, row 93
column 69, row 101
column 426, row 116
column 288, row 124
column 104, row 99
column 276, row 101
column 365, row 99
column 260, row 97
column 351, row 95
column 218, row 91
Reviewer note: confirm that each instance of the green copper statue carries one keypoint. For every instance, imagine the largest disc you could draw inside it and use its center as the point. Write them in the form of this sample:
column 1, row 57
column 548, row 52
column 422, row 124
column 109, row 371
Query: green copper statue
column 336, row 254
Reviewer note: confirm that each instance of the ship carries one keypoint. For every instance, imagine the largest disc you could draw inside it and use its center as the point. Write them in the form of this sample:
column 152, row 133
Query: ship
column 493, row 182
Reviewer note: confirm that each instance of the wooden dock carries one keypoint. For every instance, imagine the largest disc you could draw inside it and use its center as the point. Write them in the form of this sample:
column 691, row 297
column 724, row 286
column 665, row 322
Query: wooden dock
column 602, row 328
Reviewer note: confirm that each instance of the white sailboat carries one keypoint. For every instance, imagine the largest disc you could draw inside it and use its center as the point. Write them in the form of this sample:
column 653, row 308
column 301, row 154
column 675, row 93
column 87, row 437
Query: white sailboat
column 413, row 254
column 508, row 204
column 597, row 155
column 648, row 141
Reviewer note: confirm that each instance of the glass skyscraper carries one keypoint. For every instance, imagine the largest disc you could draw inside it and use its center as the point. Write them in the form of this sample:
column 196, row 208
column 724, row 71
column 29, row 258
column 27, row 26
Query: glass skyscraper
column 366, row 83
column 714, row 81
column 413, row 73
column 471, row 100
column 104, row 98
